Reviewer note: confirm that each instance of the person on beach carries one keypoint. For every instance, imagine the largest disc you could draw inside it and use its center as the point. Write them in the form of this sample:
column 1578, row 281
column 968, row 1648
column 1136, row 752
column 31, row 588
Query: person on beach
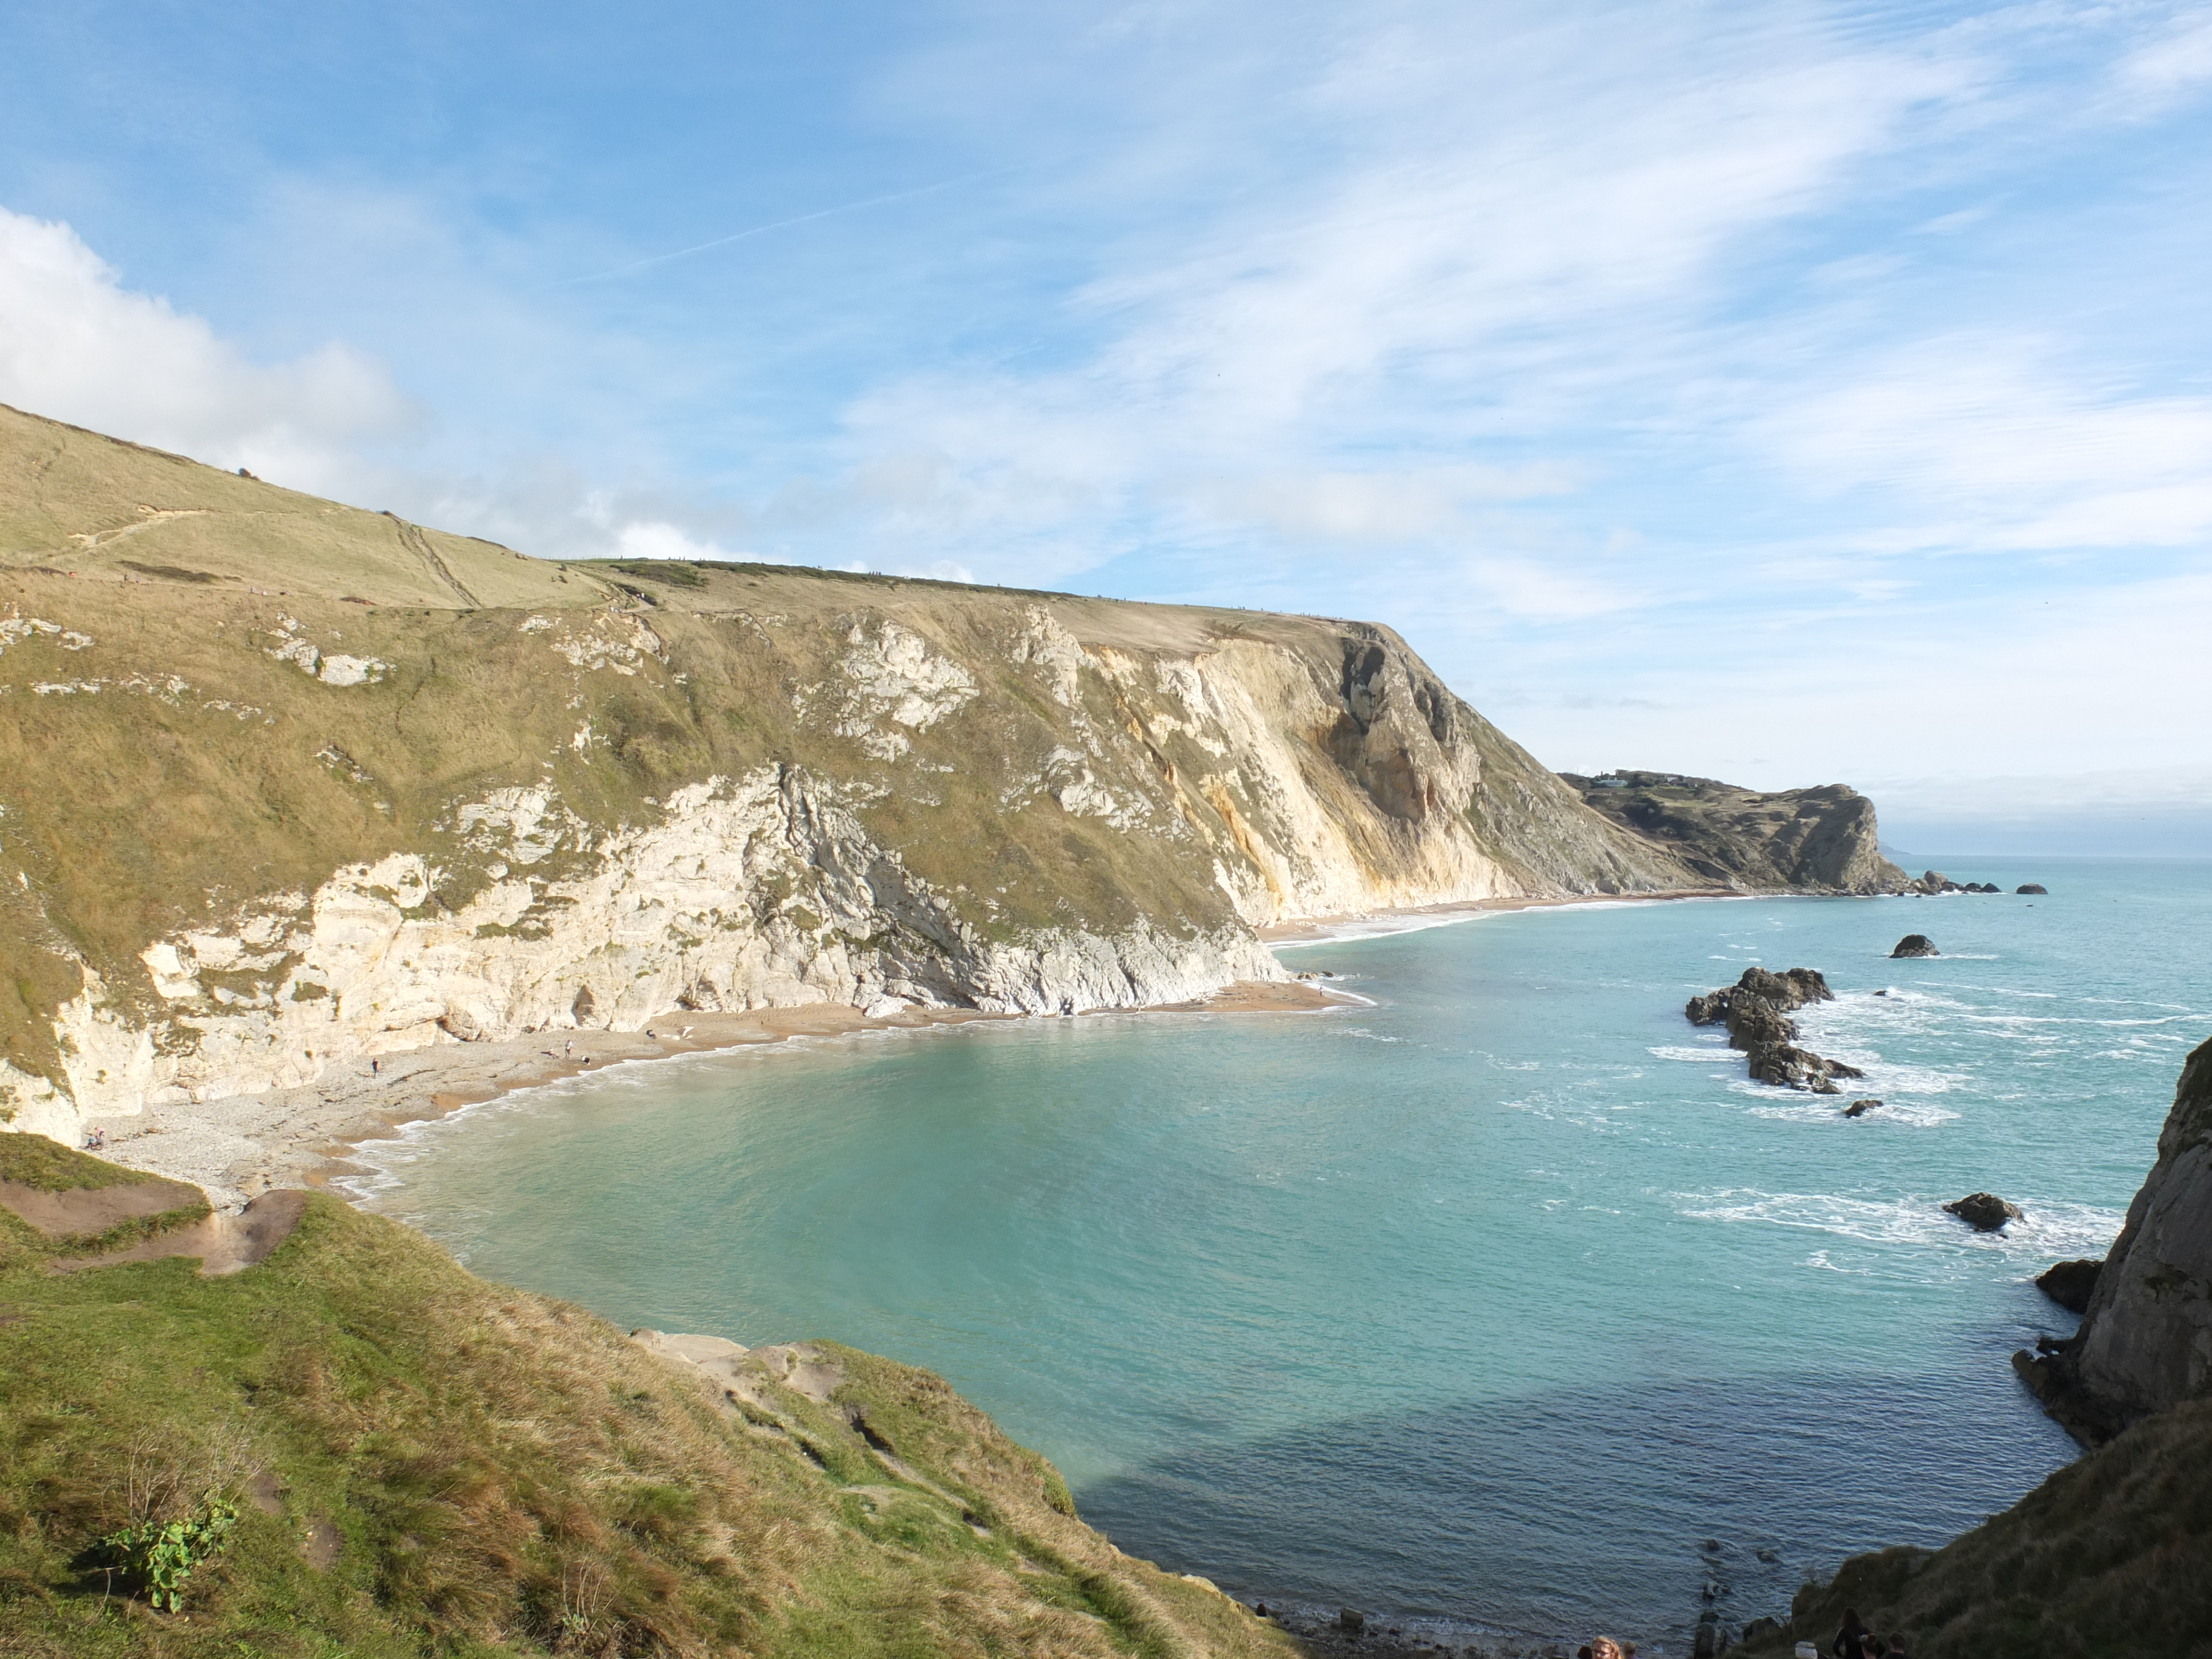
column 1855, row 1641
column 1604, row 1647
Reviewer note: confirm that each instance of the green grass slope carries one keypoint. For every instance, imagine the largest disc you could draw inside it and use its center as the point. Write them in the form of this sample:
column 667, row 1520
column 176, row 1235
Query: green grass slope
column 425, row 1463
column 2109, row 1558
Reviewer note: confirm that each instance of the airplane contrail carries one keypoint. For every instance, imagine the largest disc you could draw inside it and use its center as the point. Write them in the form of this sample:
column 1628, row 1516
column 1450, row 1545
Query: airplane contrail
column 781, row 224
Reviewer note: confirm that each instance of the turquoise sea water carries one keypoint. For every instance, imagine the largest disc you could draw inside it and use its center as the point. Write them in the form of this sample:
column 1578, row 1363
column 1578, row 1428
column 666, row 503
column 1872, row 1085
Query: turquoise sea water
column 1488, row 1303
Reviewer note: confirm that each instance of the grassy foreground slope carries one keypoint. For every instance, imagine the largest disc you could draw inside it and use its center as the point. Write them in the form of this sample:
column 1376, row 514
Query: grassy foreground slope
column 427, row 1463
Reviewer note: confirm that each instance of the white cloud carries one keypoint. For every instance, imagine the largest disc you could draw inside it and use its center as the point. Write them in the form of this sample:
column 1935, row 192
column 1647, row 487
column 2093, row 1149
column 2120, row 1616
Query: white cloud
column 2006, row 452
column 1513, row 217
column 2175, row 64
column 658, row 539
column 78, row 346
column 1402, row 505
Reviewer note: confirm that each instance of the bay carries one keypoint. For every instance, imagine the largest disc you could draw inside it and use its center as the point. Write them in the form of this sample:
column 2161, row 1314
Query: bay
column 1504, row 1303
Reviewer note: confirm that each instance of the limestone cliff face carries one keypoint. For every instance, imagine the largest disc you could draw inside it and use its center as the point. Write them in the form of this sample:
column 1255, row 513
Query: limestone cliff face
column 282, row 783
column 1808, row 840
column 2145, row 1342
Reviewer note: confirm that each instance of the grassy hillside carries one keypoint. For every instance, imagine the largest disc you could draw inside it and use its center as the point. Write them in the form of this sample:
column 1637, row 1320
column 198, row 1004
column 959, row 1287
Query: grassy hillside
column 2109, row 1558
column 218, row 693
column 426, row 1463
column 78, row 503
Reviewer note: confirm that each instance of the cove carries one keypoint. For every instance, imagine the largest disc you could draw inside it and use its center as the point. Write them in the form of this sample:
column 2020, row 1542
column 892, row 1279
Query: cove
column 1488, row 1303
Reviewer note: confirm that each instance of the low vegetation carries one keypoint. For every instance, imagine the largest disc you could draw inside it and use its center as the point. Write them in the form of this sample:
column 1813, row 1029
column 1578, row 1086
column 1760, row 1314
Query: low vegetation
column 355, row 1447
column 2109, row 1558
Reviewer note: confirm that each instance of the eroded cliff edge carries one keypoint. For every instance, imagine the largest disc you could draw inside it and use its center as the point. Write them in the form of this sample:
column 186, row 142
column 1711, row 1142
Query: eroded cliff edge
column 2145, row 1340
column 284, row 783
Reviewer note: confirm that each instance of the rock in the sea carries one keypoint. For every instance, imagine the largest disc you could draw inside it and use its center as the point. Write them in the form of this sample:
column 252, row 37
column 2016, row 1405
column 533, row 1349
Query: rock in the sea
column 1791, row 989
column 1351, row 1618
column 2031, row 887
column 1916, row 944
column 1788, row 1066
column 1754, row 1023
column 1778, row 993
column 1985, row 1212
column 2071, row 1283
column 1859, row 1107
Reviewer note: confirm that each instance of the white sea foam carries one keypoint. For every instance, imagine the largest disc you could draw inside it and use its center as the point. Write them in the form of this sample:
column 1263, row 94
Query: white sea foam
column 2047, row 1231
column 1704, row 1055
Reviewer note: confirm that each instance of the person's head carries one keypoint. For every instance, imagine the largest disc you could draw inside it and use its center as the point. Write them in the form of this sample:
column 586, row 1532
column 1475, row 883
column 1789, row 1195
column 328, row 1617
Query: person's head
column 1605, row 1647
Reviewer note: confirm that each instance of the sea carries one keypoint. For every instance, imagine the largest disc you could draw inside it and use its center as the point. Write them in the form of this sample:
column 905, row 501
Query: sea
column 1496, row 1304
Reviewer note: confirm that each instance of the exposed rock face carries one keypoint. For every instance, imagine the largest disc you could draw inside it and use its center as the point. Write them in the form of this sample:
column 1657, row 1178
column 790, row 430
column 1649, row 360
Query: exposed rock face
column 1820, row 840
column 1753, row 1011
column 1985, row 1212
column 532, row 795
column 2070, row 1284
column 1916, row 944
column 2145, row 1342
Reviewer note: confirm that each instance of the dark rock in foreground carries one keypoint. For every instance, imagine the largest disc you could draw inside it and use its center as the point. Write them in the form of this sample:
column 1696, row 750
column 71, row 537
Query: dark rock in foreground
column 1985, row 1212
column 2071, row 1283
column 2031, row 887
column 2144, row 1344
column 1916, row 944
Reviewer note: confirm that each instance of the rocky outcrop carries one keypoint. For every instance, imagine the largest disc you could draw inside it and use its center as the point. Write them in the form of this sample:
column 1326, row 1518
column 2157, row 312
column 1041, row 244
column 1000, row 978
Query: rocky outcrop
column 1985, row 1212
column 2031, row 887
column 1916, row 944
column 1822, row 839
column 2070, row 1284
column 283, row 784
column 2145, row 1342
column 1755, row 1010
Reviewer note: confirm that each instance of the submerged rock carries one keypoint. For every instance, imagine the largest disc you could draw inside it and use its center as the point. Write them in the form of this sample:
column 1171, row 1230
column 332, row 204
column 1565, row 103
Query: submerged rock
column 2071, row 1283
column 1916, row 944
column 1985, row 1212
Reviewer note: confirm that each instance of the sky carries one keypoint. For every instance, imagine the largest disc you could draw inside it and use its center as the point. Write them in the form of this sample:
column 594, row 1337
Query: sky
column 1783, row 392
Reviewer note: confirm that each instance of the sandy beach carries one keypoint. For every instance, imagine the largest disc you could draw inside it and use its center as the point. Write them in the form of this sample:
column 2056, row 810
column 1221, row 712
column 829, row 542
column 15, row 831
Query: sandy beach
column 242, row 1146
column 1376, row 924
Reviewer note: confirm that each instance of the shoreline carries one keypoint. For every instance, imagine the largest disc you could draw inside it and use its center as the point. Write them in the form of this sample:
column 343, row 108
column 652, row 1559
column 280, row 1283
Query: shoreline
column 1354, row 925
column 239, row 1146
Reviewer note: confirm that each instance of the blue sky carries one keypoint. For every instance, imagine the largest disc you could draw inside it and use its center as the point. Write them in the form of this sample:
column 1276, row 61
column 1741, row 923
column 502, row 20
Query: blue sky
column 1782, row 392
